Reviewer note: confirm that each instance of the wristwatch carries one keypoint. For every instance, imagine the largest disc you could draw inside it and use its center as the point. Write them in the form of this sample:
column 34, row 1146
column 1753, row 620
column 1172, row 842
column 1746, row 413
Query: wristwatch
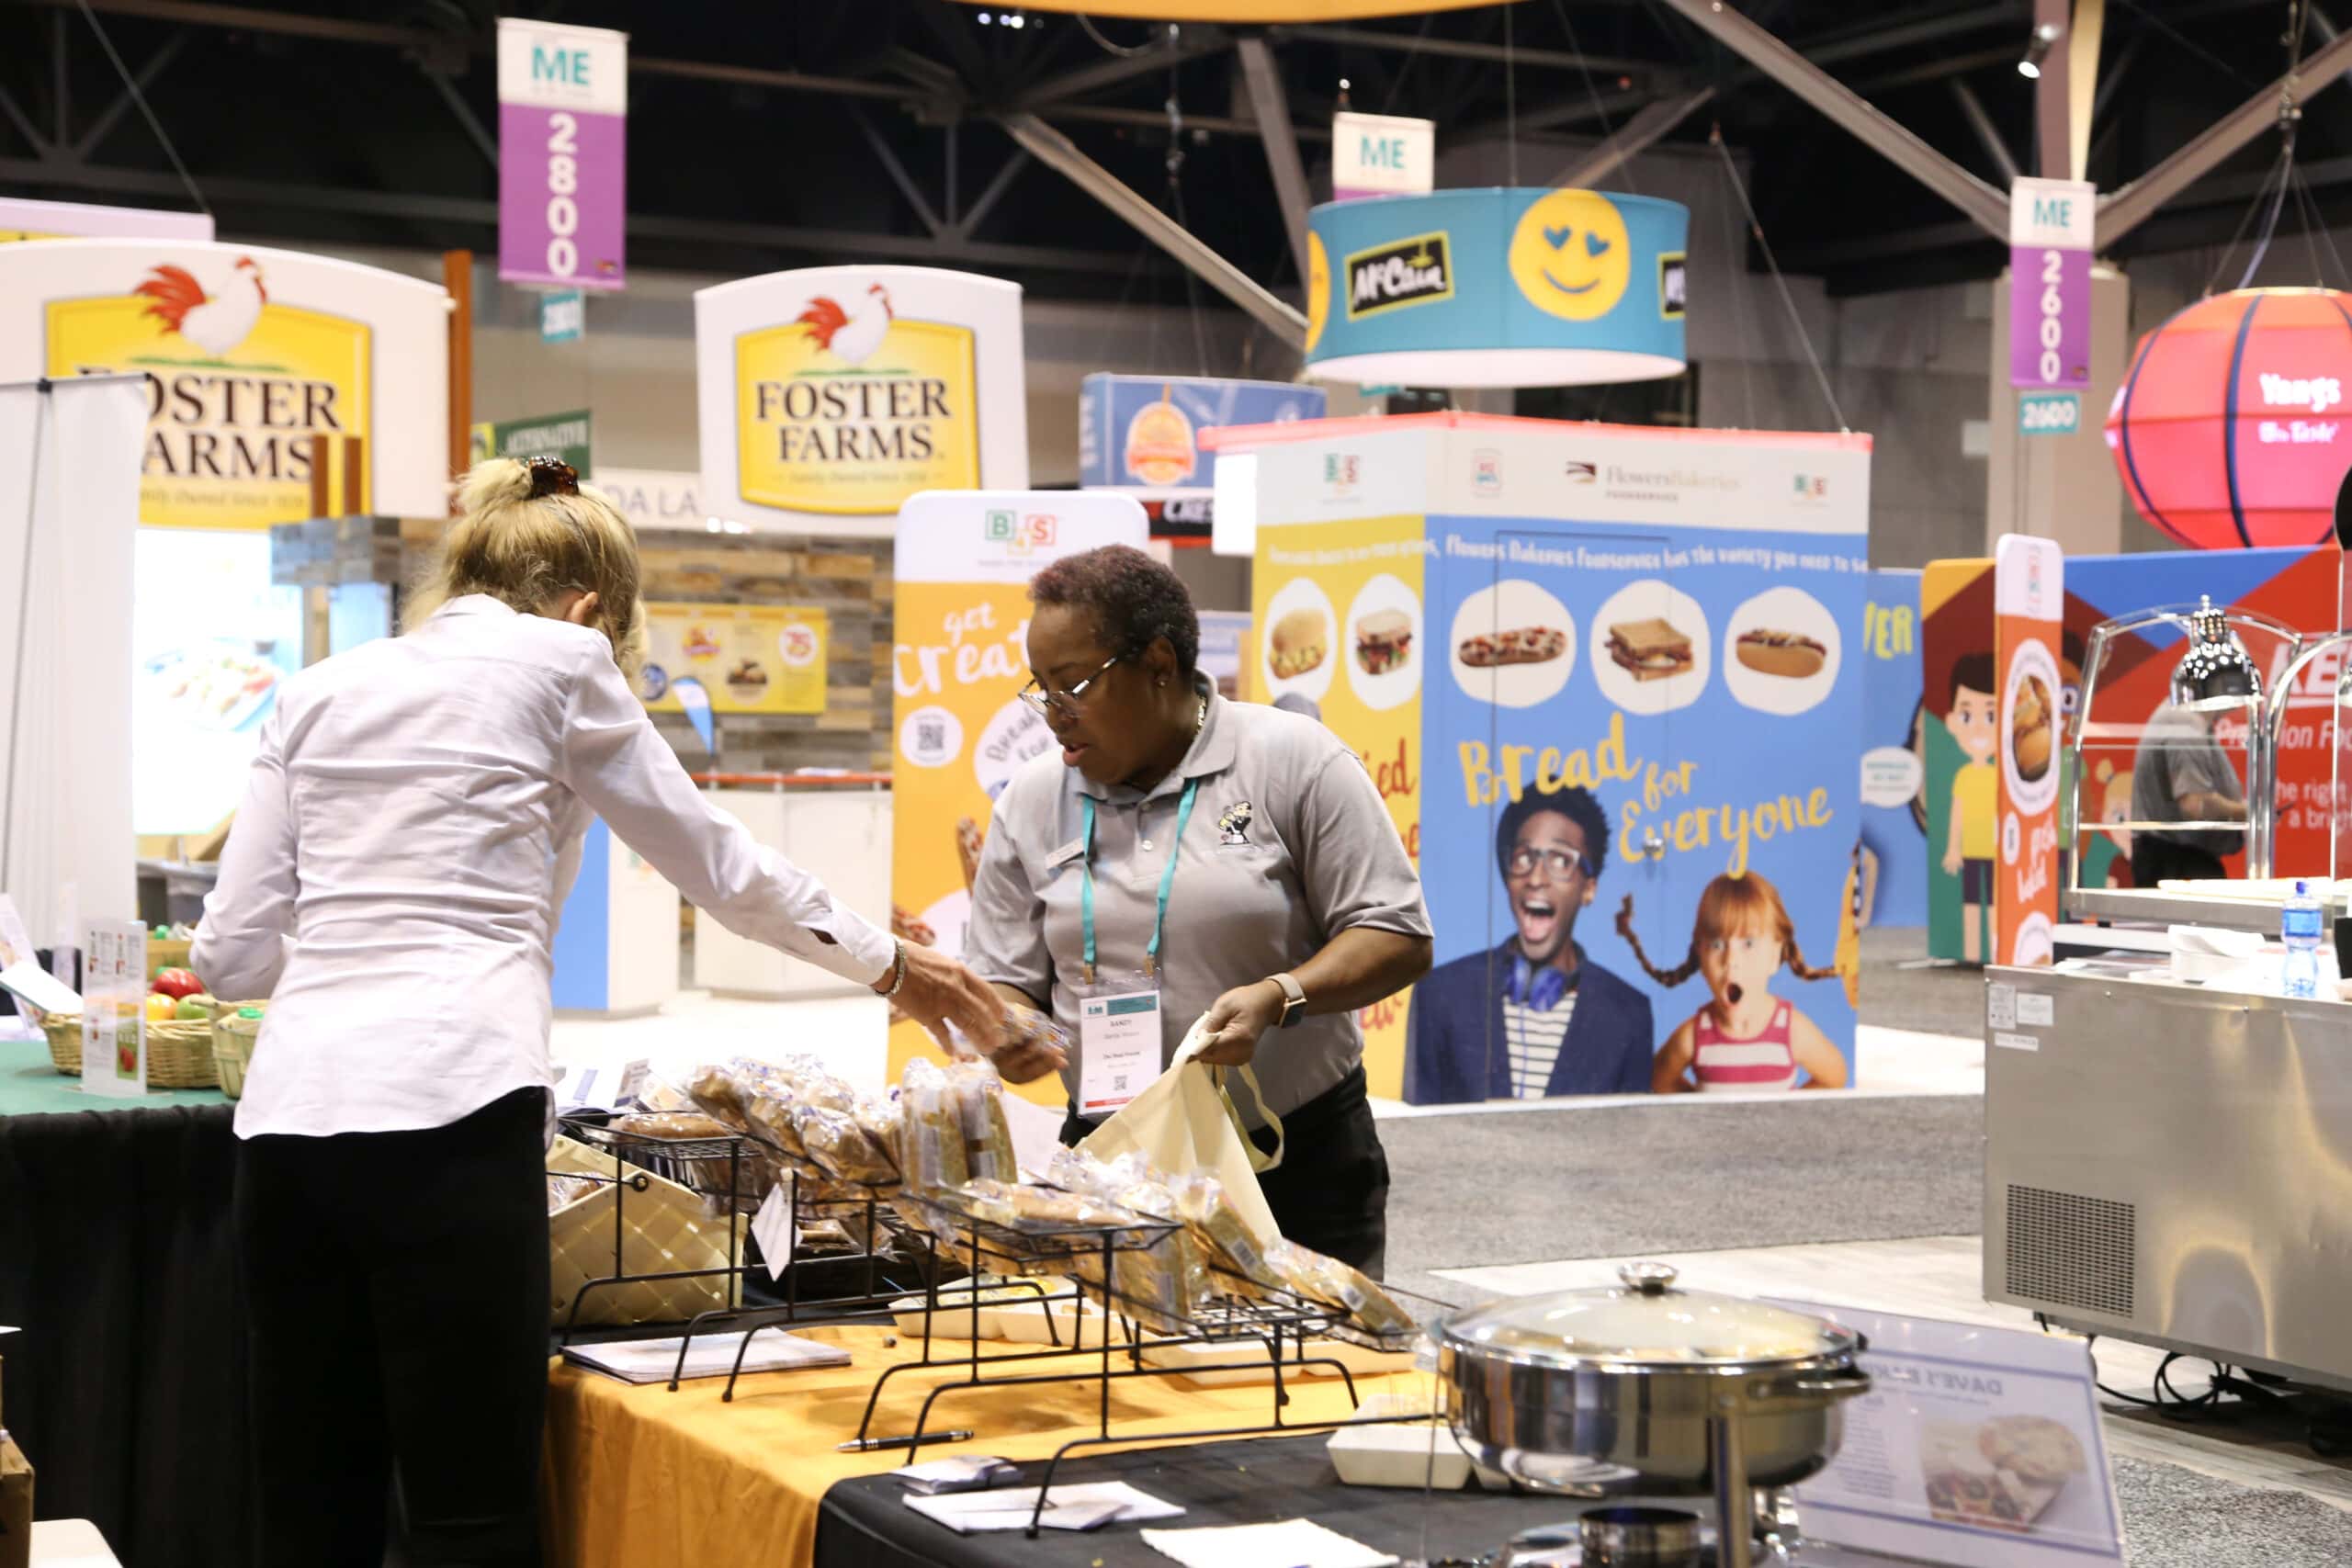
column 1293, row 1002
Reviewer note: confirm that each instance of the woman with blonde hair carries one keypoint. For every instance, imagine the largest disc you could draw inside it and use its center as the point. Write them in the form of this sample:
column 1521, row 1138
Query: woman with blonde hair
column 410, row 827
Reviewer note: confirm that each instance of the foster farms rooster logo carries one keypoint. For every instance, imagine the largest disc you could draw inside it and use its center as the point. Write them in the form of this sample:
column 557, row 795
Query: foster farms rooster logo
column 850, row 406
column 246, row 396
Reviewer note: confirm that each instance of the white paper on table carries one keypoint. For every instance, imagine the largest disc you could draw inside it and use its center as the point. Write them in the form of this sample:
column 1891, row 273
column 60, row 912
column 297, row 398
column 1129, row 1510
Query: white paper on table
column 1067, row 1507
column 1291, row 1544
column 712, row 1356
column 27, row 980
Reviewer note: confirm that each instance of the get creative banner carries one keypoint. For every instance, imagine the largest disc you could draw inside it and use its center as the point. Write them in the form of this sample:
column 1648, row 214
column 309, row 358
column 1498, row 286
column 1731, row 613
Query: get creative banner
column 830, row 396
column 562, row 155
column 261, row 365
column 959, row 658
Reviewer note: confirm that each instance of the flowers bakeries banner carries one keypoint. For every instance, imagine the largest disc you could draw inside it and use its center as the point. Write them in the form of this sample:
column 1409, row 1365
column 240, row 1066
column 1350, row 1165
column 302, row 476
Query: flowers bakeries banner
column 261, row 368
column 959, row 658
column 830, row 395
column 1606, row 680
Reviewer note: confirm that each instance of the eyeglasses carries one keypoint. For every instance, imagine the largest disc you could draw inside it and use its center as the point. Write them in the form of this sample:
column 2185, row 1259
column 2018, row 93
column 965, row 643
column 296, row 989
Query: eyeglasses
column 1035, row 694
column 1557, row 863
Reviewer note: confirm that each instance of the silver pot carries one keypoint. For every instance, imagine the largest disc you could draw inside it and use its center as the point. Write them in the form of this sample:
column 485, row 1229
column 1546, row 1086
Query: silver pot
column 1650, row 1389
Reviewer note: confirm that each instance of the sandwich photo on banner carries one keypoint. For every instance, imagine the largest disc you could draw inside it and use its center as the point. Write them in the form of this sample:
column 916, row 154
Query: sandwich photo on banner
column 1535, row 1016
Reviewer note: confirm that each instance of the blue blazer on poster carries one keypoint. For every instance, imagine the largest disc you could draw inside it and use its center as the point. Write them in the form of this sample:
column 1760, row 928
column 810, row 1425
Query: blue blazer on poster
column 1458, row 1009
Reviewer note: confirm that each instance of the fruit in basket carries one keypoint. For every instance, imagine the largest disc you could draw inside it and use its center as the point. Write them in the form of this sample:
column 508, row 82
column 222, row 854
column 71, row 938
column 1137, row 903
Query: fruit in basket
column 195, row 1008
column 177, row 983
column 162, row 1008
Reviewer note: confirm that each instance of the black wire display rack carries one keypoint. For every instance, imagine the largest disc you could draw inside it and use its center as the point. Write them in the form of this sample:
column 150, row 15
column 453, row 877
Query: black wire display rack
column 1259, row 1323
column 728, row 1174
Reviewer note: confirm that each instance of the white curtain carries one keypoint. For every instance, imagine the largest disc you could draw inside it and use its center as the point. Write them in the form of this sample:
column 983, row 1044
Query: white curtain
column 70, row 453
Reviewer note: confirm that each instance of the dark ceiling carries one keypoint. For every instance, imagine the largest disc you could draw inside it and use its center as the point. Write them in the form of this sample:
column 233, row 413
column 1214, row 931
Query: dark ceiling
column 811, row 130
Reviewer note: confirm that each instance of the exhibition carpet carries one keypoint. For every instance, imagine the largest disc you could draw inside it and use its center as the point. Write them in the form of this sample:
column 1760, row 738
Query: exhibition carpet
column 1478, row 1191
column 2176, row 1519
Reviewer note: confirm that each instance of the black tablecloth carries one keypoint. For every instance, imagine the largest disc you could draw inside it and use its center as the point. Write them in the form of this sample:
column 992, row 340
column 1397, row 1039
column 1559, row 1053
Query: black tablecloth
column 863, row 1524
column 126, row 1388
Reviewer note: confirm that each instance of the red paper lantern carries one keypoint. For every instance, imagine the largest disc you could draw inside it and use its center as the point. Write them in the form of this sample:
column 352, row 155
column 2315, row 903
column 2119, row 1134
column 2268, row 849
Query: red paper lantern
column 2232, row 428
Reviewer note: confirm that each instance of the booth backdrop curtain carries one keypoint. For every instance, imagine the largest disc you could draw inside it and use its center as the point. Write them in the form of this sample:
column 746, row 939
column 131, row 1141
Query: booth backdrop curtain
column 69, row 454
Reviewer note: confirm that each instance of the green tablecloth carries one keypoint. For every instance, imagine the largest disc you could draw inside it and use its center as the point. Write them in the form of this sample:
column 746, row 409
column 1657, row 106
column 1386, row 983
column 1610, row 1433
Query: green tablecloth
column 31, row 1086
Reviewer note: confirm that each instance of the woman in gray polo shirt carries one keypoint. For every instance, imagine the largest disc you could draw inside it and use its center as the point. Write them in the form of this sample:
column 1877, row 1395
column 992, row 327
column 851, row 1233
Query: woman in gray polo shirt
column 1237, row 862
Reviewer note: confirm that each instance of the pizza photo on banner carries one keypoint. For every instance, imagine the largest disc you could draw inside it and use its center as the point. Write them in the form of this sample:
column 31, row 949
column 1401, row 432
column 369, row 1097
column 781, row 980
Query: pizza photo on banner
column 2028, row 589
column 959, row 659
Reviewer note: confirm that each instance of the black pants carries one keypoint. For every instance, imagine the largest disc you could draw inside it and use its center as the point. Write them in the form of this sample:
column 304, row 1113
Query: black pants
column 2154, row 860
column 397, row 1286
column 1330, row 1194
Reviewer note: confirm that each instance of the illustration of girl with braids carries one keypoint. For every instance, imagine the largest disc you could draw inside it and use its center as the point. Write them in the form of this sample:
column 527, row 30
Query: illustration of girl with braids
column 1746, row 1038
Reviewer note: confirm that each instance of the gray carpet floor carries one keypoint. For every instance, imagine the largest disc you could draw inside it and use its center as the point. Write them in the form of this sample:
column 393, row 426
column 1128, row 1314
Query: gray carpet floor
column 2178, row 1519
column 1943, row 999
column 1537, row 1186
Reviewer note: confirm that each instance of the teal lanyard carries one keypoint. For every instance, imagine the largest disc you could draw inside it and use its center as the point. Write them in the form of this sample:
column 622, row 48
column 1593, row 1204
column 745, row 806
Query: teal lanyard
column 1167, row 879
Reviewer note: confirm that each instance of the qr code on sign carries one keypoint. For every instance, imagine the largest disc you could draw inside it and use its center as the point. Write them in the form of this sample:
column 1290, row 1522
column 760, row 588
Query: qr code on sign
column 931, row 736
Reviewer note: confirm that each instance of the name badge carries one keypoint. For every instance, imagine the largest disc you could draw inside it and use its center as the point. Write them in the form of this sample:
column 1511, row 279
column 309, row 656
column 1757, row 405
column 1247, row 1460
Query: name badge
column 1118, row 1043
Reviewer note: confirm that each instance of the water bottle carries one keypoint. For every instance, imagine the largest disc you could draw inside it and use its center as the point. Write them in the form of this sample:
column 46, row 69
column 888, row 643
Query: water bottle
column 2300, row 925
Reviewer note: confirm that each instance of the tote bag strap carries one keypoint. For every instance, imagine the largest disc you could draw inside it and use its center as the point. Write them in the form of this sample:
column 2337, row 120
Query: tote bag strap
column 1259, row 1161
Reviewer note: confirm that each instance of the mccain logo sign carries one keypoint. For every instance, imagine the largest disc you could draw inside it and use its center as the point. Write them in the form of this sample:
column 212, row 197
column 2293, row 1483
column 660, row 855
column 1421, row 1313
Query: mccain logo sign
column 1418, row 270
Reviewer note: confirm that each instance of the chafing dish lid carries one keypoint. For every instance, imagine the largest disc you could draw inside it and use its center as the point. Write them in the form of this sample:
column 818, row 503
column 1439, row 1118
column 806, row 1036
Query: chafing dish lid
column 1646, row 1320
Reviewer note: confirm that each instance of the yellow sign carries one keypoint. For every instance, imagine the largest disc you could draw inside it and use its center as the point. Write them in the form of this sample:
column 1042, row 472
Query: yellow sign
column 1335, row 582
column 851, row 413
column 11, row 236
column 1318, row 289
column 244, row 397
column 748, row 658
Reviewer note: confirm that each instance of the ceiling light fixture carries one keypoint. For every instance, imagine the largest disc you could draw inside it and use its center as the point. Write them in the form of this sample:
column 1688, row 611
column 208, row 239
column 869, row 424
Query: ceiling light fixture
column 2037, row 49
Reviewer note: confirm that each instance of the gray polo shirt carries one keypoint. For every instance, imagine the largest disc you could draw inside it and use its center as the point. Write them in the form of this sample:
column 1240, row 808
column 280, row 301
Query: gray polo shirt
column 2179, row 757
column 1289, row 844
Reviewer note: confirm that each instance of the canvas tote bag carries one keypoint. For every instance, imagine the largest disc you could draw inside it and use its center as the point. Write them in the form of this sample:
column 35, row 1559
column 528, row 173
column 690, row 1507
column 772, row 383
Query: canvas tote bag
column 1185, row 1120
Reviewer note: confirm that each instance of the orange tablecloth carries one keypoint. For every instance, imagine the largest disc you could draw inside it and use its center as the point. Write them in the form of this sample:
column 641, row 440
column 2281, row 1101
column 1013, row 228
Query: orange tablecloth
column 637, row 1475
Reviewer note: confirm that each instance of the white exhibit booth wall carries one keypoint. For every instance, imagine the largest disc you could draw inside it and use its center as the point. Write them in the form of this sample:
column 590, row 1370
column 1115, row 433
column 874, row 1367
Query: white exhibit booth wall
column 830, row 395
column 617, row 944
column 69, row 505
column 838, row 834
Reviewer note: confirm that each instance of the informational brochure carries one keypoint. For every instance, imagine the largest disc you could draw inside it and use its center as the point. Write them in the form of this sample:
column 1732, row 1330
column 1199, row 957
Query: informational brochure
column 1977, row 1446
column 712, row 1356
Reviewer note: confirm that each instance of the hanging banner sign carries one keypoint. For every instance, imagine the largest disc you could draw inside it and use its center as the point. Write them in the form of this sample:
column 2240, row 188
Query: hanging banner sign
column 830, row 395
column 2029, row 598
column 2050, row 282
column 564, row 436
column 273, row 378
column 562, row 163
column 1378, row 154
column 563, row 316
column 1141, row 433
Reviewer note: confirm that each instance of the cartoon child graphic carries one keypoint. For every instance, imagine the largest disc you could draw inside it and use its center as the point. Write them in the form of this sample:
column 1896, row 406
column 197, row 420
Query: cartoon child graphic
column 1972, row 716
column 1746, row 1038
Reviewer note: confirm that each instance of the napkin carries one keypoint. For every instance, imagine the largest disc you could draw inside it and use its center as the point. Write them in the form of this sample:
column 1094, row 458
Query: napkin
column 1291, row 1543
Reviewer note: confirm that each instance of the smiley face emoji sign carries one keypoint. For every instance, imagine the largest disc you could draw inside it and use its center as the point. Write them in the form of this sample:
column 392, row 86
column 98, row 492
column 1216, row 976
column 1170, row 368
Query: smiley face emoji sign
column 1570, row 255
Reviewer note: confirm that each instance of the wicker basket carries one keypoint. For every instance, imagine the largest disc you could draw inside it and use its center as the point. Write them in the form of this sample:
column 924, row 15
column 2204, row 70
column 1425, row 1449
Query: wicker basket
column 234, row 1039
column 667, row 1229
column 179, row 1054
column 164, row 954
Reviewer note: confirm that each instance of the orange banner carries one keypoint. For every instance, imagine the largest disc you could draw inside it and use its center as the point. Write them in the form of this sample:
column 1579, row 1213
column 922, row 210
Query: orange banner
column 2029, row 591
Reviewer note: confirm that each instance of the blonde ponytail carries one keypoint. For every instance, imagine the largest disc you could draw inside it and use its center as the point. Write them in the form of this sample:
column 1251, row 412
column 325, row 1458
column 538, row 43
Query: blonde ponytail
column 527, row 551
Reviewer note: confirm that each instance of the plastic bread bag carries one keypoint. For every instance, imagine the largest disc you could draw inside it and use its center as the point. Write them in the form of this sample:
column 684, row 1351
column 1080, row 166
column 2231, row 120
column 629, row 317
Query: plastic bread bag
column 1075, row 1170
column 563, row 1190
column 931, row 1137
column 1160, row 1286
column 1232, row 1246
column 988, row 1136
column 673, row 1125
column 1333, row 1283
column 840, row 1148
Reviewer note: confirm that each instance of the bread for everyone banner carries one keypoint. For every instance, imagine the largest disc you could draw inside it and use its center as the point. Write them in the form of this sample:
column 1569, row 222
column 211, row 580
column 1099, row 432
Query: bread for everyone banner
column 261, row 366
column 1634, row 751
column 2029, row 601
column 1342, row 601
column 747, row 659
column 959, row 659
column 830, row 395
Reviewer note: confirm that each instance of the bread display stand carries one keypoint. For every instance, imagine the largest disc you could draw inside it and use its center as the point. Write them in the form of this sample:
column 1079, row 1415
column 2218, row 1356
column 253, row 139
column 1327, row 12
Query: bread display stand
column 1273, row 1336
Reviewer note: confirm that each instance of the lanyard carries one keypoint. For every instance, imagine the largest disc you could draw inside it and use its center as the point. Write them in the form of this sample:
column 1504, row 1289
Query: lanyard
column 1166, row 880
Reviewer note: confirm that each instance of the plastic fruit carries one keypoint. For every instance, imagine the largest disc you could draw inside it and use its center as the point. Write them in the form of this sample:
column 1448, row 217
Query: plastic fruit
column 162, row 1008
column 177, row 983
column 195, row 1008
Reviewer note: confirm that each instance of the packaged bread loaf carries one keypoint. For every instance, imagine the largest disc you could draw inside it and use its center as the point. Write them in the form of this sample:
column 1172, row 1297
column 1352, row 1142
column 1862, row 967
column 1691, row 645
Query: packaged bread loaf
column 1235, row 1256
column 672, row 1124
column 1335, row 1284
column 840, row 1148
column 988, row 1136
